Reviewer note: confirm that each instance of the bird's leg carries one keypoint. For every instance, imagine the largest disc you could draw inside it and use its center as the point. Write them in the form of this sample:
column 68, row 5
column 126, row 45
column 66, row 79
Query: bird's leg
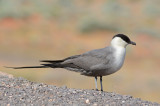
column 96, row 83
column 101, row 83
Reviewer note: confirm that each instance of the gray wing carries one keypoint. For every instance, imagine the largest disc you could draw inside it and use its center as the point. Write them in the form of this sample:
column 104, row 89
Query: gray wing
column 89, row 63
column 92, row 61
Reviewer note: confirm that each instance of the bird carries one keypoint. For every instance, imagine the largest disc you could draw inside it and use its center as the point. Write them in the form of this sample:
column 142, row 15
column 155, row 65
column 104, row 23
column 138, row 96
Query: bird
column 95, row 63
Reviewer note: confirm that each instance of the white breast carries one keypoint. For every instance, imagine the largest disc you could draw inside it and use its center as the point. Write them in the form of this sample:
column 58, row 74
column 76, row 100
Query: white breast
column 119, row 56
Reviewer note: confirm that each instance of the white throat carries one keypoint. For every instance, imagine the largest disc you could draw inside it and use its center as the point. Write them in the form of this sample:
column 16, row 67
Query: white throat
column 118, row 42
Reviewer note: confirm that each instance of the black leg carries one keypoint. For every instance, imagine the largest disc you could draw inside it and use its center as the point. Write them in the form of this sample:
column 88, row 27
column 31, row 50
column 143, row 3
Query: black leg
column 96, row 83
column 101, row 83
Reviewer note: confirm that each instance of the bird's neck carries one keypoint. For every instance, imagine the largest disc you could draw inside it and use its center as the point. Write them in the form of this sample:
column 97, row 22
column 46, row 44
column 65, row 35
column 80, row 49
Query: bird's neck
column 120, row 51
column 119, row 57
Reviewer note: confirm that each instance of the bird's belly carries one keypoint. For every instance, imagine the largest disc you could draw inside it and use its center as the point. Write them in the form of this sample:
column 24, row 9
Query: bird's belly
column 114, row 69
column 115, row 66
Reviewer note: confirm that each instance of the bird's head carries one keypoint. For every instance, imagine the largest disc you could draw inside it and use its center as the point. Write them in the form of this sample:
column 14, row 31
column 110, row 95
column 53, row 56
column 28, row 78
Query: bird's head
column 121, row 40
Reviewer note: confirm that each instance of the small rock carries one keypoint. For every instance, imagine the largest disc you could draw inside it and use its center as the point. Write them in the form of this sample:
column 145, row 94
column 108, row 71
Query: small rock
column 95, row 104
column 74, row 92
column 87, row 101
column 123, row 101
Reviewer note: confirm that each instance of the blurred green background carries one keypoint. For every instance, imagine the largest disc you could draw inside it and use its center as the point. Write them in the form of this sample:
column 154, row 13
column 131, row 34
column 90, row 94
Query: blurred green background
column 33, row 30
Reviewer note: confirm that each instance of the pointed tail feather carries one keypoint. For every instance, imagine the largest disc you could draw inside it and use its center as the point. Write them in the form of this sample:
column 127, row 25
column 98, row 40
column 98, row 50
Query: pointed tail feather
column 53, row 64
column 28, row 67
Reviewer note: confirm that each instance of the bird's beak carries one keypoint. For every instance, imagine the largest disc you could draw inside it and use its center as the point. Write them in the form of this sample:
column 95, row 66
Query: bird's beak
column 133, row 43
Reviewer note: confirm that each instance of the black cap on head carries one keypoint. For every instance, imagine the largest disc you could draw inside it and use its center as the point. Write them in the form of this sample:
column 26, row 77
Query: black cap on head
column 124, row 37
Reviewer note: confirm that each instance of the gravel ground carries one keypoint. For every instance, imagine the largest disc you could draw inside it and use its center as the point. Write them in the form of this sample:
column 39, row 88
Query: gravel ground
column 21, row 92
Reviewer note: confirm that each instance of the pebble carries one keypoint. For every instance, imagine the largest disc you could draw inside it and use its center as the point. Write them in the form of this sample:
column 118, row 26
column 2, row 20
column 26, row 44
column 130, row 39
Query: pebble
column 21, row 92
column 87, row 101
column 74, row 92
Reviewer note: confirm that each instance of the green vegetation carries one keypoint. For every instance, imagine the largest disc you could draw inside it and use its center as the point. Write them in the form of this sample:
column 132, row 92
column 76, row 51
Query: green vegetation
column 89, row 24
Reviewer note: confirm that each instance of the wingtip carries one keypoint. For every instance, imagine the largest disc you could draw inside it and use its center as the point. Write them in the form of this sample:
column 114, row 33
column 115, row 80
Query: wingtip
column 52, row 61
column 44, row 60
column 41, row 60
